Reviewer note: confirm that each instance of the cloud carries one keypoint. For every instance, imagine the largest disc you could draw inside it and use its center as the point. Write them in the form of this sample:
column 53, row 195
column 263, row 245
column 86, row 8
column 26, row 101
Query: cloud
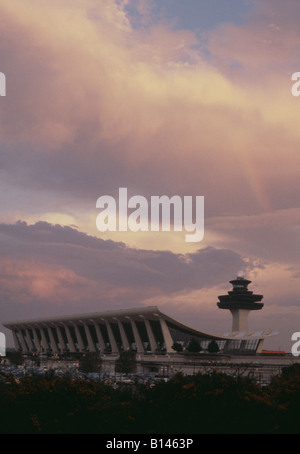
column 94, row 104
column 268, row 41
column 272, row 237
column 59, row 267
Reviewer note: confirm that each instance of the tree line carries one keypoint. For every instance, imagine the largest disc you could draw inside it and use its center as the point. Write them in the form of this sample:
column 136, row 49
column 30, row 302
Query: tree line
column 210, row 403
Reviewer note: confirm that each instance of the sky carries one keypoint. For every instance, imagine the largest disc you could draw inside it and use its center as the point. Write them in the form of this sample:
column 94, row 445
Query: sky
column 170, row 97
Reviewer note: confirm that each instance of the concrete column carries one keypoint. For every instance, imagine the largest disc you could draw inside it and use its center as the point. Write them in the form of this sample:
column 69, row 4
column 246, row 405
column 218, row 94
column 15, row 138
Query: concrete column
column 61, row 339
column 72, row 347
column 260, row 346
column 153, row 343
column 167, row 336
column 99, row 337
column 37, row 343
column 54, row 346
column 22, row 341
column 29, row 341
column 16, row 340
column 79, row 338
column 139, row 344
column 112, row 341
column 45, row 344
column 123, row 336
column 91, row 345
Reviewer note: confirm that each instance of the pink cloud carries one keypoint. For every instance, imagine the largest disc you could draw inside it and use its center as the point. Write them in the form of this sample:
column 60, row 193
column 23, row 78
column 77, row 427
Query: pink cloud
column 99, row 102
column 267, row 42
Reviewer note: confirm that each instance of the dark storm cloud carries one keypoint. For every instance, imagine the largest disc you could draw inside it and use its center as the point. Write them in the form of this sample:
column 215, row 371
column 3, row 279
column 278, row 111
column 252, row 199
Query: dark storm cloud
column 114, row 262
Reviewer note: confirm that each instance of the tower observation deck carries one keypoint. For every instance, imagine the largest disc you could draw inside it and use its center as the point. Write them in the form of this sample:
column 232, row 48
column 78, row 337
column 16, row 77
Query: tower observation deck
column 240, row 301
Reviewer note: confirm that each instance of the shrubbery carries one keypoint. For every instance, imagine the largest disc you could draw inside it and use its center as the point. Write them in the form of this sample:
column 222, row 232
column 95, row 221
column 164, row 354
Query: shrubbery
column 201, row 404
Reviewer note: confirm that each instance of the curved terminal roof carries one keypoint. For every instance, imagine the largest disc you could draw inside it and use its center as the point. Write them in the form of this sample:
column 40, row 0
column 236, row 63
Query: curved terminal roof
column 135, row 314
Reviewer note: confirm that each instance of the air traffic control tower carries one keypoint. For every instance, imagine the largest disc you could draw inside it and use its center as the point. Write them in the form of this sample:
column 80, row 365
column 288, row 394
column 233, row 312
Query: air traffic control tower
column 240, row 301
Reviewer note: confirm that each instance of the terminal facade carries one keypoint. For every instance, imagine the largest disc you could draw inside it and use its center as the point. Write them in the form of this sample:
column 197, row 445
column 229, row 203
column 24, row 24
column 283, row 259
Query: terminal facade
column 145, row 330
column 161, row 343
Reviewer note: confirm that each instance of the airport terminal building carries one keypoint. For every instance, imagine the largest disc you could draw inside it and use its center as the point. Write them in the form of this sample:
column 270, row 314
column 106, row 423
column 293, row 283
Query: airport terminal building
column 159, row 340
column 145, row 330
